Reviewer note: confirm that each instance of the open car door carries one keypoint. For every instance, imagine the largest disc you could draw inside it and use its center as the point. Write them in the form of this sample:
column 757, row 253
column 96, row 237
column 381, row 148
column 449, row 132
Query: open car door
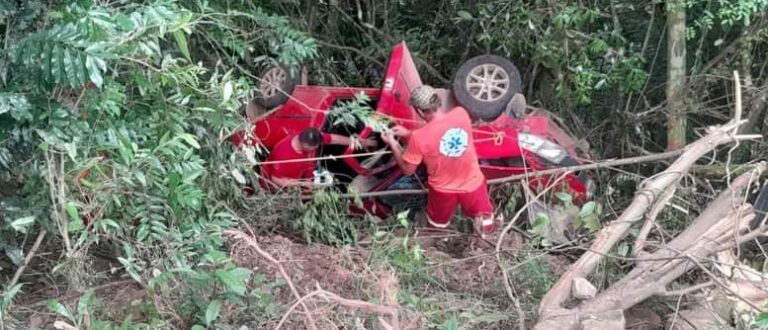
column 401, row 77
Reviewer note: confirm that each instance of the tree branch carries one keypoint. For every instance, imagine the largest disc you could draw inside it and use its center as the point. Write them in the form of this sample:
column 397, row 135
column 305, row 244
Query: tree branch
column 644, row 198
column 30, row 255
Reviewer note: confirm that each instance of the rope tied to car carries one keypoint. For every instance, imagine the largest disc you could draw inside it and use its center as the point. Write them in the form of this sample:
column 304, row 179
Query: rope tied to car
column 497, row 137
column 299, row 160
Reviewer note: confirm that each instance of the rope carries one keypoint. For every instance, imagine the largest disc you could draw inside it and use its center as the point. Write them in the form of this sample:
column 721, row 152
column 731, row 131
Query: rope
column 298, row 160
column 498, row 137
column 595, row 165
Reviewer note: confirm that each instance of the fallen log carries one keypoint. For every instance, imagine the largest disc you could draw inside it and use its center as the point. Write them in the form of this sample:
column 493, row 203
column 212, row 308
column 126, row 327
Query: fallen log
column 714, row 230
column 644, row 198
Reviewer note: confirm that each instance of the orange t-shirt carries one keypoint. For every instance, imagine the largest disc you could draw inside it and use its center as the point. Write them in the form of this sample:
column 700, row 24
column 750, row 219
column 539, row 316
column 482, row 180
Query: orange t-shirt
column 446, row 147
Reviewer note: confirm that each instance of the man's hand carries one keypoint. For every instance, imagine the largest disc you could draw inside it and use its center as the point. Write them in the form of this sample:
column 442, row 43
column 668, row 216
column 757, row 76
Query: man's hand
column 368, row 143
column 358, row 144
column 401, row 131
column 390, row 140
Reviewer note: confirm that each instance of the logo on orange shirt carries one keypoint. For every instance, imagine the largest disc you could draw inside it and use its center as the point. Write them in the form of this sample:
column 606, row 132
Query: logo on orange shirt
column 454, row 142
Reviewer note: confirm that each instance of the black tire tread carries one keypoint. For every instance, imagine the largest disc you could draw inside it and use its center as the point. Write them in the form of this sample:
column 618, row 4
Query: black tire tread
column 292, row 80
column 486, row 111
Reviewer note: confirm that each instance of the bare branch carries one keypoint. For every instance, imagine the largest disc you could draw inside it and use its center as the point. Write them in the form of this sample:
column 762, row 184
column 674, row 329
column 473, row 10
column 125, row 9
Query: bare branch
column 689, row 290
column 30, row 255
column 255, row 245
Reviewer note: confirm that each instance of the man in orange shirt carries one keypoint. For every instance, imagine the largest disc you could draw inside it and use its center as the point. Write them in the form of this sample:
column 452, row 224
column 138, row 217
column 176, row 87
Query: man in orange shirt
column 444, row 144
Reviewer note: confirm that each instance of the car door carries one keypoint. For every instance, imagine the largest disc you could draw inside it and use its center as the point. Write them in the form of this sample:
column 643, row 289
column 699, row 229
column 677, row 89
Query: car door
column 401, row 77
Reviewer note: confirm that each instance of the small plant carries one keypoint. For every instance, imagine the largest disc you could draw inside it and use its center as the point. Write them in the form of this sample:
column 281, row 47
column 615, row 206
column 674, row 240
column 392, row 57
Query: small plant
column 761, row 321
column 534, row 275
column 81, row 317
column 215, row 284
column 407, row 258
column 326, row 219
column 589, row 216
column 6, row 301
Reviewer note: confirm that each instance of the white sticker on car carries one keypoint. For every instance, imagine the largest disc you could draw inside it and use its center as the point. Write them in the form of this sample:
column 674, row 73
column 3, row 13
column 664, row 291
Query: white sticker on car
column 388, row 84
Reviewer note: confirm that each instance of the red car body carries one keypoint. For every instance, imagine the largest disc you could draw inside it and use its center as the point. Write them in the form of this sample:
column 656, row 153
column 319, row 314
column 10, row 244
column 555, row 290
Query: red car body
column 498, row 143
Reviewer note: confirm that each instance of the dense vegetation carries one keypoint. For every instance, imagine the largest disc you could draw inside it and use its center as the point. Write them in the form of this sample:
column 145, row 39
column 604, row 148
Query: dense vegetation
column 114, row 119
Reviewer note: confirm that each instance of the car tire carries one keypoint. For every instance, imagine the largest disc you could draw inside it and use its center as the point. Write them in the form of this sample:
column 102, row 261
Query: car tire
column 275, row 85
column 485, row 84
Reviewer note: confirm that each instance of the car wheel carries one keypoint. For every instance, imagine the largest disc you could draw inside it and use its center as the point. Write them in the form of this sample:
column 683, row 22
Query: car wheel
column 485, row 84
column 276, row 83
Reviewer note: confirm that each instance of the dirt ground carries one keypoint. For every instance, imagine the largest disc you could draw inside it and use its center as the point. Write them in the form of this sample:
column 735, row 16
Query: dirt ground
column 462, row 278
column 348, row 271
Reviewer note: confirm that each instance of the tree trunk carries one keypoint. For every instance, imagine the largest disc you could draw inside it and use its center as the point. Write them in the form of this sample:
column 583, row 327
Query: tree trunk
column 676, row 74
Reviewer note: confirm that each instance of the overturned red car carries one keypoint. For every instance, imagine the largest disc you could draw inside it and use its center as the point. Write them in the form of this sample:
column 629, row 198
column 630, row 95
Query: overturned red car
column 510, row 137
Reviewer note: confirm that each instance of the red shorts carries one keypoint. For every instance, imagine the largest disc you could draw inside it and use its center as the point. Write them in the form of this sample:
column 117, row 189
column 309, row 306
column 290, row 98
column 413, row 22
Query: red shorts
column 441, row 205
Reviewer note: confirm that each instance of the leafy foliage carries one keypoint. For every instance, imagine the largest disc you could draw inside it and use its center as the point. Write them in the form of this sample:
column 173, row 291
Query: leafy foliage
column 111, row 130
column 114, row 117
column 8, row 294
column 326, row 219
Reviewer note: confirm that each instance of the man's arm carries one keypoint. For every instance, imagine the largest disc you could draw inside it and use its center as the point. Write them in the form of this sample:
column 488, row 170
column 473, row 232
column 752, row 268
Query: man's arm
column 397, row 153
column 290, row 182
column 345, row 141
column 339, row 140
column 408, row 168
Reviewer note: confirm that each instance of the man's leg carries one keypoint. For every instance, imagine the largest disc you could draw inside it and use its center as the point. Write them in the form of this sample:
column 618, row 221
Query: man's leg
column 440, row 208
column 477, row 205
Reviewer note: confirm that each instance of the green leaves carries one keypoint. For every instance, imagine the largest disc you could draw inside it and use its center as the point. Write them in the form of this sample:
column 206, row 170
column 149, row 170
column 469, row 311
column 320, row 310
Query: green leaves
column 75, row 222
column 235, row 279
column 589, row 216
column 190, row 139
column 17, row 105
column 464, row 15
column 152, row 157
column 84, row 305
column 57, row 57
column 762, row 320
column 9, row 294
column 181, row 41
column 565, row 198
column 212, row 312
column 22, row 224
column 74, row 54
column 58, row 308
column 326, row 219
column 540, row 224
column 227, row 92
column 95, row 66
